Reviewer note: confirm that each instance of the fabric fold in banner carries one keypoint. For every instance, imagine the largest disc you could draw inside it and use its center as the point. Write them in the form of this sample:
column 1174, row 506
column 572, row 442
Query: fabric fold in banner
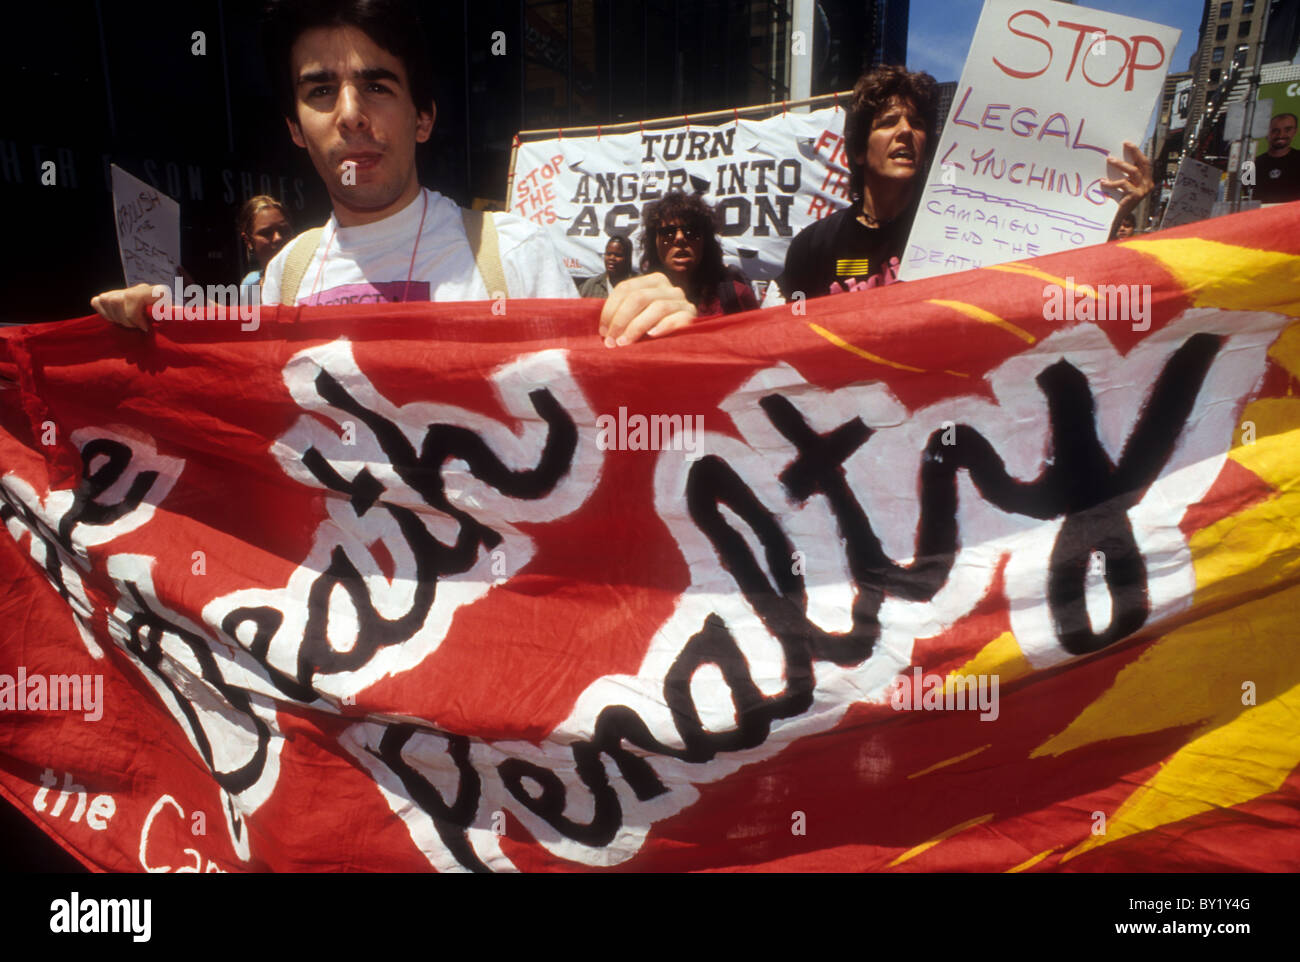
column 993, row 572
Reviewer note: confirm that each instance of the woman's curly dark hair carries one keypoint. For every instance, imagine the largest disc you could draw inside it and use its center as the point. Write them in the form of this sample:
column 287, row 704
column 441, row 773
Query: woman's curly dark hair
column 871, row 94
column 689, row 210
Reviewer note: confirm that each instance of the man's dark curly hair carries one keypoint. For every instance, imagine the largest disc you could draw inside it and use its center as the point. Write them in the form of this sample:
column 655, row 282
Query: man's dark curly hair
column 689, row 210
column 871, row 94
column 393, row 25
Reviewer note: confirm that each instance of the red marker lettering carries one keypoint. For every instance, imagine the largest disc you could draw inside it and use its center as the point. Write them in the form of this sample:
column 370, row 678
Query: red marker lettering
column 1026, row 74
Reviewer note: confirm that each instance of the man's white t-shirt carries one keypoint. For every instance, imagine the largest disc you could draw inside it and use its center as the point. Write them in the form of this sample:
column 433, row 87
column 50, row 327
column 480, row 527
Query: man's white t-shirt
column 369, row 264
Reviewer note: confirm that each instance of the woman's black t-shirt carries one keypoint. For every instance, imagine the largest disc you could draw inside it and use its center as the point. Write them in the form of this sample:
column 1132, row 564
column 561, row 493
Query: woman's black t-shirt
column 841, row 250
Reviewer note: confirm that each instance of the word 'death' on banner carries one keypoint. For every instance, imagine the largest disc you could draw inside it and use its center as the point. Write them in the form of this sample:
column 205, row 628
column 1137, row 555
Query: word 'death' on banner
column 1048, row 91
column 767, row 179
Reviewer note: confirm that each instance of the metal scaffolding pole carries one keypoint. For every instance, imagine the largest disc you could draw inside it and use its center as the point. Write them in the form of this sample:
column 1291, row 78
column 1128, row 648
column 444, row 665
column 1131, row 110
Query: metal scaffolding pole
column 1252, row 96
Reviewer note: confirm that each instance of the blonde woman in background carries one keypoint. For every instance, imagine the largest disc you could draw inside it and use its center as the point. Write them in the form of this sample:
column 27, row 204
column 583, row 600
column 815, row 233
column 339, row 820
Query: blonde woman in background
column 264, row 228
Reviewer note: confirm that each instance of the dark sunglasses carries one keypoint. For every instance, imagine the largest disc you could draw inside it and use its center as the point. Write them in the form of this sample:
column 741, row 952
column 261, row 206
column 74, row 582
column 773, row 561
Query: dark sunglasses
column 667, row 232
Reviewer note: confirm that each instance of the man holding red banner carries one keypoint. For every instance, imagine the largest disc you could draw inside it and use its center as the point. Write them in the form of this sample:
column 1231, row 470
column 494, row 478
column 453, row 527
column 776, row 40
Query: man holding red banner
column 358, row 98
column 359, row 73
column 356, row 88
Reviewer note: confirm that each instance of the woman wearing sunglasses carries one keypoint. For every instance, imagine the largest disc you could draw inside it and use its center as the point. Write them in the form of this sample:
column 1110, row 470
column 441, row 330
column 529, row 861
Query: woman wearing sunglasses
column 680, row 241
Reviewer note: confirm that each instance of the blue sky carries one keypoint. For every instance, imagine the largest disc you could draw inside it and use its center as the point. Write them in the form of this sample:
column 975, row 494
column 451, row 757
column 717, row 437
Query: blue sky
column 939, row 31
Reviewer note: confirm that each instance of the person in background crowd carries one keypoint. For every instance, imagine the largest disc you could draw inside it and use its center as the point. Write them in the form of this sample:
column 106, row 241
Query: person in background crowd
column 681, row 242
column 264, row 228
column 1277, row 171
column 1125, row 227
column 618, row 267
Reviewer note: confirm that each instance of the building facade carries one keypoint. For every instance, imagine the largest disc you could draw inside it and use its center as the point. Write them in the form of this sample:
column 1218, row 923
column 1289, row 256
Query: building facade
column 1240, row 43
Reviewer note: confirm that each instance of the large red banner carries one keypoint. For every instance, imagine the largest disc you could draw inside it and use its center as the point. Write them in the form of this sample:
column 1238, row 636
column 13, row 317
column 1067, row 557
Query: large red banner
column 989, row 572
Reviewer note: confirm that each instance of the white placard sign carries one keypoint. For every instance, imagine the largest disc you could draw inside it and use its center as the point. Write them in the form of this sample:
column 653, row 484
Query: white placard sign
column 767, row 180
column 1048, row 90
column 148, row 231
column 1195, row 192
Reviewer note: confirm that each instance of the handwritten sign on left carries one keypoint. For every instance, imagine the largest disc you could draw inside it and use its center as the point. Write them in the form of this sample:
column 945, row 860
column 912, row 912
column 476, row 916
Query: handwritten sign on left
column 148, row 230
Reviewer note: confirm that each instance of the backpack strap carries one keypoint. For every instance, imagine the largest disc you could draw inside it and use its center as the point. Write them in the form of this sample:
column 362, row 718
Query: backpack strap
column 295, row 264
column 481, row 232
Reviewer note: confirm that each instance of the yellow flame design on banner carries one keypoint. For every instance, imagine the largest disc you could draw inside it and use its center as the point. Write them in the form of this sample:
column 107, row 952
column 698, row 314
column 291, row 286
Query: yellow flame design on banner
column 1231, row 673
column 1247, row 584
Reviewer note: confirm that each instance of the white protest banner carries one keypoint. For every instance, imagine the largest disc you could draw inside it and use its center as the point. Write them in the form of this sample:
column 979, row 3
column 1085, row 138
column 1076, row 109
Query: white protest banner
column 1195, row 191
column 148, row 230
column 1048, row 90
column 767, row 179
